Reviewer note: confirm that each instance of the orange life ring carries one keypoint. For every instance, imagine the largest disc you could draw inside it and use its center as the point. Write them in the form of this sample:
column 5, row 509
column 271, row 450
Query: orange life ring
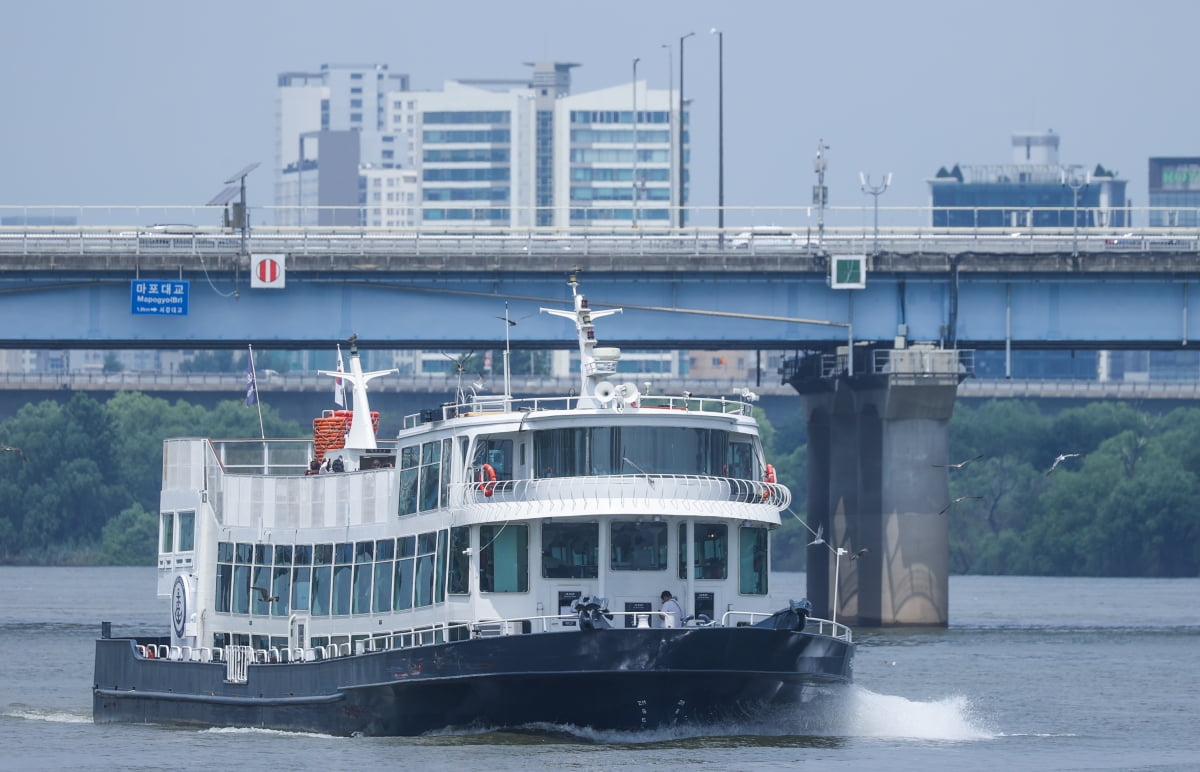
column 487, row 479
column 769, row 474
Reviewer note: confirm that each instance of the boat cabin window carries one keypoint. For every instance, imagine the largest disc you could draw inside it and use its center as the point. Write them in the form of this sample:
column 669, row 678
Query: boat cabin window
column 167, row 532
column 504, row 558
column 752, row 561
column 605, row 450
column 638, row 546
column 423, row 485
column 710, row 551
column 498, row 454
column 460, row 561
column 570, row 550
column 741, row 462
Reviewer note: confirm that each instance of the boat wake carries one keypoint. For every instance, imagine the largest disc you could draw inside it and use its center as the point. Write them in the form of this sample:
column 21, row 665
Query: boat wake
column 259, row 730
column 855, row 713
column 867, row 714
column 41, row 714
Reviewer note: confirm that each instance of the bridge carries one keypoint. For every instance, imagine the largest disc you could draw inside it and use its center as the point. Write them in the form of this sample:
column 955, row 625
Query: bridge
column 968, row 288
column 878, row 367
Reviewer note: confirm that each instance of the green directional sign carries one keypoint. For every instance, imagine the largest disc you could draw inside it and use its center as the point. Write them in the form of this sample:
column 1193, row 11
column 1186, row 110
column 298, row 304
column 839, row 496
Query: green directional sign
column 848, row 272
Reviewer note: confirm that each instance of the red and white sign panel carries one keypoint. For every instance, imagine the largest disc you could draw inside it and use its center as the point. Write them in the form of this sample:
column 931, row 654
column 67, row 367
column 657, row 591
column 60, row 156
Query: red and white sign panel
column 267, row 271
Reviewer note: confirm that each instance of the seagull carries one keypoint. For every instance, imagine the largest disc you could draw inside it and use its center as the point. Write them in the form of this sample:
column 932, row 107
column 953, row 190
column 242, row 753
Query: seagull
column 1061, row 458
column 955, row 501
column 263, row 596
column 10, row 448
column 960, row 464
column 819, row 539
column 860, row 553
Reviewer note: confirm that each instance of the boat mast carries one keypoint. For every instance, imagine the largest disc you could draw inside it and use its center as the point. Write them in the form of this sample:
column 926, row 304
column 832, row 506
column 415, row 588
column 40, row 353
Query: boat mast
column 362, row 433
column 591, row 371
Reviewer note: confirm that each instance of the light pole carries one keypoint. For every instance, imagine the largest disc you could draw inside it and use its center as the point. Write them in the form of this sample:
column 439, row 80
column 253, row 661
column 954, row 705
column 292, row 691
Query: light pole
column 634, row 119
column 820, row 195
column 681, row 122
column 1071, row 180
column 670, row 119
column 720, row 134
column 876, row 191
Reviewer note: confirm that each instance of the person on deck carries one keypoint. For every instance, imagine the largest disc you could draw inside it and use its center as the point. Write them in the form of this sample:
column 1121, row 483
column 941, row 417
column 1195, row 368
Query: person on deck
column 671, row 607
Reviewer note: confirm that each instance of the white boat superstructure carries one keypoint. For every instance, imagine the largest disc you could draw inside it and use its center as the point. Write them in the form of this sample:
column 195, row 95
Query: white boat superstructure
column 520, row 520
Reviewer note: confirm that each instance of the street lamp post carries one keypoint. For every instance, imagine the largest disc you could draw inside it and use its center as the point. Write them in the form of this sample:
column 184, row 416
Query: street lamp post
column 635, row 158
column 876, row 191
column 670, row 120
column 1071, row 180
column 720, row 134
column 820, row 193
column 681, row 122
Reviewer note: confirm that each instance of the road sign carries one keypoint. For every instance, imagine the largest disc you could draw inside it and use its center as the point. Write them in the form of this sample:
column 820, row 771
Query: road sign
column 158, row 297
column 848, row 272
column 267, row 271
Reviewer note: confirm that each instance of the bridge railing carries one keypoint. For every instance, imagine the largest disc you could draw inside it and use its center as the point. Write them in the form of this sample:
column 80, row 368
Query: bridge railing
column 28, row 230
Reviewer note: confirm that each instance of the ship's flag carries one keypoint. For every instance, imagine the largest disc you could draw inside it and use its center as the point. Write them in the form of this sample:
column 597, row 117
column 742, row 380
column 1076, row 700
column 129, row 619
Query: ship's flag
column 251, row 386
column 339, row 387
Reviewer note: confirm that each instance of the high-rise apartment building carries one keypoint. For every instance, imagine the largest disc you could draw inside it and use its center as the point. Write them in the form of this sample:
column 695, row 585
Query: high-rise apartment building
column 357, row 146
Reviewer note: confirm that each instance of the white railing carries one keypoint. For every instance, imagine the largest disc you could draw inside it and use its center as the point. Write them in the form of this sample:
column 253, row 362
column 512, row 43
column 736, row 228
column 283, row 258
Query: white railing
column 630, row 493
column 83, row 231
column 237, row 659
column 823, row 626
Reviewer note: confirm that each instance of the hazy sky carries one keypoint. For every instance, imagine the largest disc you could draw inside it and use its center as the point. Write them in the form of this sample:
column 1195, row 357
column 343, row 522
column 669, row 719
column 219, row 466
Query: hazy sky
column 154, row 102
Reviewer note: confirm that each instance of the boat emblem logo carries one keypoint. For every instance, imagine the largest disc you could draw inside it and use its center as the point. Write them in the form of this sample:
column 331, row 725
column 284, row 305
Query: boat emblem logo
column 179, row 605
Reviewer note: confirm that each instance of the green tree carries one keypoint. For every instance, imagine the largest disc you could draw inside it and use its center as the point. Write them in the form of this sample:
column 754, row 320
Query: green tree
column 129, row 539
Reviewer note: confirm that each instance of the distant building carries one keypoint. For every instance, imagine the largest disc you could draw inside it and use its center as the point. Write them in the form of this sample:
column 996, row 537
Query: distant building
column 1035, row 190
column 1174, row 192
column 356, row 146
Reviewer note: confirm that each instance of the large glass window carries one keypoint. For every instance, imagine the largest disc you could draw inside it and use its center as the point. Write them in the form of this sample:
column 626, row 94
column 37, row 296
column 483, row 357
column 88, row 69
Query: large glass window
column 426, row 555
column 406, row 550
column 630, row 450
column 710, row 551
column 187, row 531
column 364, row 554
column 504, row 558
column 498, row 454
column 167, row 532
column 342, row 575
column 460, row 560
column 570, row 550
column 752, row 561
column 423, row 487
column 241, row 578
column 638, row 546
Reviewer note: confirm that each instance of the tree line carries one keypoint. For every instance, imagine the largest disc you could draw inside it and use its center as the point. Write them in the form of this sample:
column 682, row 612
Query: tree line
column 79, row 483
column 1123, row 502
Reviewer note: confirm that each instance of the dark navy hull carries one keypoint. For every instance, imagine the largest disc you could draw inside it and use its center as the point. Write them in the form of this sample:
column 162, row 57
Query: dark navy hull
column 618, row 679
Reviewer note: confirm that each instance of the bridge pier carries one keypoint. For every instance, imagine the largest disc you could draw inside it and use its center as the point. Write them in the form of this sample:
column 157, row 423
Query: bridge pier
column 873, row 440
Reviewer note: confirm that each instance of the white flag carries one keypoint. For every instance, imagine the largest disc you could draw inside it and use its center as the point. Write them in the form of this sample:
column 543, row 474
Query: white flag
column 339, row 387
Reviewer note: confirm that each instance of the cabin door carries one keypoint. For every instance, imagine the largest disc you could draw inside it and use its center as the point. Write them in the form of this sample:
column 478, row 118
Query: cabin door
column 298, row 631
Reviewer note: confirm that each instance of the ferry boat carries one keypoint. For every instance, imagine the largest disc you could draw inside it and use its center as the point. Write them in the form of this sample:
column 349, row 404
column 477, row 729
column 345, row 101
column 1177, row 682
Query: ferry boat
column 500, row 564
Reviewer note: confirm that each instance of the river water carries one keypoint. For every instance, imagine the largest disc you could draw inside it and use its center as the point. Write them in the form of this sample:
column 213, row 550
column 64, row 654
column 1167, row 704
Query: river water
column 1033, row 673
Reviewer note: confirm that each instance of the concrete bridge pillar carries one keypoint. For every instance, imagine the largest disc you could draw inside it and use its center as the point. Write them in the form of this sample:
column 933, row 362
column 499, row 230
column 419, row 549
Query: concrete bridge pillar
column 873, row 441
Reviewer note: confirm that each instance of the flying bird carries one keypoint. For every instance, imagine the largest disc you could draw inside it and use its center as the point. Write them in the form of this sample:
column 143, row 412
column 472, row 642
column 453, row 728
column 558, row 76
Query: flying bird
column 1061, row 458
column 955, row 501
column 960, row 464
column 860, row 553
column 263, row 596
column 11, row 449
column 819, row 539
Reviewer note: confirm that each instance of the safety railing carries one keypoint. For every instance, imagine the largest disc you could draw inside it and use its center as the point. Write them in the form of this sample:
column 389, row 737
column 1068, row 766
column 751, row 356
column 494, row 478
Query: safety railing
column 632, row 493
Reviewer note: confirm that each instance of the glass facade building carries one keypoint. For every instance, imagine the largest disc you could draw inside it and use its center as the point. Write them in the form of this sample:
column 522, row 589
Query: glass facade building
column 1034, row 191
column 1174, row 192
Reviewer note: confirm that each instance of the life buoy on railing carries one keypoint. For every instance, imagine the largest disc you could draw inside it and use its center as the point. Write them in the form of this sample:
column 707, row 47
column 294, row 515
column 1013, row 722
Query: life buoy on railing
column 769, row 474
column 487, row 479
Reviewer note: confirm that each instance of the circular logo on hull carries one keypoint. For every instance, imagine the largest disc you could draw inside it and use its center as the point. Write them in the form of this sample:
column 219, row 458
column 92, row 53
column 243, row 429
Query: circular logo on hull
column 179, row 606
